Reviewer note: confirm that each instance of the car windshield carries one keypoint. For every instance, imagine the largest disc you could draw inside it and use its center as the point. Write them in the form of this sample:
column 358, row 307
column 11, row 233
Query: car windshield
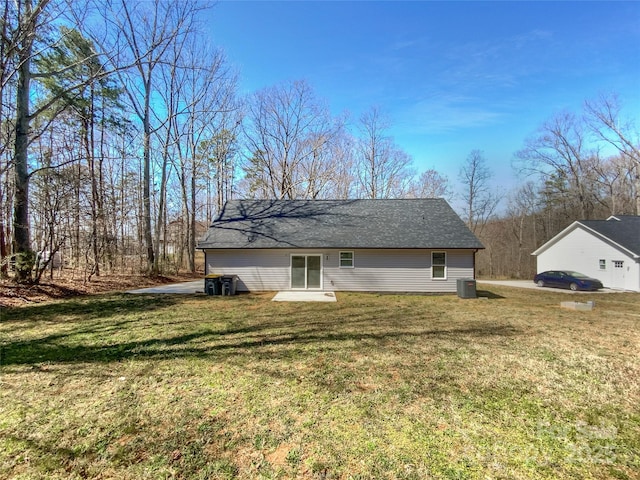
column 577, row 274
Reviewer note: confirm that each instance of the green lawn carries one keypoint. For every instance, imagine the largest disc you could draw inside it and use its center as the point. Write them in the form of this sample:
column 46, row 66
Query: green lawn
column 374, row 386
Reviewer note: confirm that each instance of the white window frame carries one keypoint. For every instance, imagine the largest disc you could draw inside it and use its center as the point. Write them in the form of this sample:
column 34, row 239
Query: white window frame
column 352, row 259
column 444, row 277
column 618, row 263
column 306, row 286
column 603, row 263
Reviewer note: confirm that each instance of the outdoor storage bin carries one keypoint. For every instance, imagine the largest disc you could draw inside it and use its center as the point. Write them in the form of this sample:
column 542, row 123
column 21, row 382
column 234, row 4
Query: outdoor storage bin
column 213, row 284
column 466, row 288
column 229, row 284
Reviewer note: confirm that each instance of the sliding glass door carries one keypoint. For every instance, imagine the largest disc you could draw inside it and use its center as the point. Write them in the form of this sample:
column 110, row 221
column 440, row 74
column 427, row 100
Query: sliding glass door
column 313, row 271
column 298, row 271
column 306, row 271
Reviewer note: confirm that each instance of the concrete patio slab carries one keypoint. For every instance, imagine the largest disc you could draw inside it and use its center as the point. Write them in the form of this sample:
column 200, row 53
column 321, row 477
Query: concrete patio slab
column 304, row 297
column 196, row 286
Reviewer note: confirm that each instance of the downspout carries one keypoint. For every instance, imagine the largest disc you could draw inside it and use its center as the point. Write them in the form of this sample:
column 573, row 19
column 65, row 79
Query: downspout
column 206, row 265
column 474, row 263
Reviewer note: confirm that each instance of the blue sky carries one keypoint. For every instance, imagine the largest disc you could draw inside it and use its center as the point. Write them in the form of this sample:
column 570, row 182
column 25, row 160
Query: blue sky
column 452, row 76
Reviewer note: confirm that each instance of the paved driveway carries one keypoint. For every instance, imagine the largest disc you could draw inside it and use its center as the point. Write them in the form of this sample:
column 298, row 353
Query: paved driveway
column 510, row 283
column 196, row 286
column 530, row 284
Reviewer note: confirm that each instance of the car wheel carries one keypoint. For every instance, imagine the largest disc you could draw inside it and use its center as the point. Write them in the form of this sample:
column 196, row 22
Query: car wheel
column 540, row 283
column 573, row 287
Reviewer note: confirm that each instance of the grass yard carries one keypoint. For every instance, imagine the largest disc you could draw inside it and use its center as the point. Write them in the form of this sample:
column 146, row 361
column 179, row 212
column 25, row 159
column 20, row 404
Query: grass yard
column 375, row 386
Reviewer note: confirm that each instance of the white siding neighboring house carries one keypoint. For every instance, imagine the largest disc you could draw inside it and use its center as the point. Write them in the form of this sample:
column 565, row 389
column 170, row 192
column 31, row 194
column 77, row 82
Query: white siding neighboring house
column 408, row 245
column 608, row 250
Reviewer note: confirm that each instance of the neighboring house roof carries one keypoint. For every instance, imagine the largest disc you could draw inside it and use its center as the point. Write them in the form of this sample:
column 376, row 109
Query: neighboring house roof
column 620, row 230
column 403, row 223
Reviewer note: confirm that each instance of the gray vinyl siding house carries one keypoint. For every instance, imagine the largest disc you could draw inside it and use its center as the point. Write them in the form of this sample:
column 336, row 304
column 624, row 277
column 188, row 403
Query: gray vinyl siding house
column 407, row 245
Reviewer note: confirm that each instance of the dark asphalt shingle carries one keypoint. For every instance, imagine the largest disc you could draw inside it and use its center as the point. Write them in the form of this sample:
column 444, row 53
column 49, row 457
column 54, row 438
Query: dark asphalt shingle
column 401, row 223
column 623, row 230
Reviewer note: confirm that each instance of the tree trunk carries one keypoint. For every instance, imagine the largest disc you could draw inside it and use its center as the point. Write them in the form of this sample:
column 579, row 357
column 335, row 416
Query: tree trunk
column 21, row 234
column 638, row 188
column 161, row 211
column 192, row 222
column 87, row 126
column 4, row 268
column 146, row 188
column 162, row 197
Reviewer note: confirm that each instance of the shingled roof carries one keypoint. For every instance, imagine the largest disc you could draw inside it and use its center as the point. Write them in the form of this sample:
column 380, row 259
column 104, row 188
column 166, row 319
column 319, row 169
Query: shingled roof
column 403, row 223
column 621, row 229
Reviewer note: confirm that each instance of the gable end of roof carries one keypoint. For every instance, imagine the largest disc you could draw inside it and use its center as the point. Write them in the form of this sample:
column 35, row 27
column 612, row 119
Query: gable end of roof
column 622, row 232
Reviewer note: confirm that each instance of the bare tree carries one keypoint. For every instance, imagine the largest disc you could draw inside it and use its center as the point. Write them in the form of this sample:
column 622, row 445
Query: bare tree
column 52, row 202
column 6, row 135
column 479, row 199
column 431, row 184
column 288, row 136
column 559, row 149
column 219, row 154
column 141, row 35
column 343, row 183
column 207, row 92
column 604, row 119
column 64, row 124
column 383, row 168
column 522, row 209
column 586, row 167
column 31, row 32
column 616, row 177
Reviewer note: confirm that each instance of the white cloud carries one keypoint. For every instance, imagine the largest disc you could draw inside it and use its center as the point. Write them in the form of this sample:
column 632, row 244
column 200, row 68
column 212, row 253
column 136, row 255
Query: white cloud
column 498, row 62
column 445, row 113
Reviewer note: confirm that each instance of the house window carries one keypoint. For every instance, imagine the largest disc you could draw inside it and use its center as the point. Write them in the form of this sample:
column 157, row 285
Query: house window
column 346, row 259
column 439, row 265
column 603, row 264
column 618, row 263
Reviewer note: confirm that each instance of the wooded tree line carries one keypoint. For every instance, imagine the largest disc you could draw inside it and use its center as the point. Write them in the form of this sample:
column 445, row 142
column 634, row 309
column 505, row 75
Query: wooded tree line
column 123, row 134
column 576, row 166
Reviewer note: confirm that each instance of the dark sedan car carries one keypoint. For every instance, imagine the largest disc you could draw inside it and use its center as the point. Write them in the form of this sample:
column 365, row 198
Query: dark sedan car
column 566, row 279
